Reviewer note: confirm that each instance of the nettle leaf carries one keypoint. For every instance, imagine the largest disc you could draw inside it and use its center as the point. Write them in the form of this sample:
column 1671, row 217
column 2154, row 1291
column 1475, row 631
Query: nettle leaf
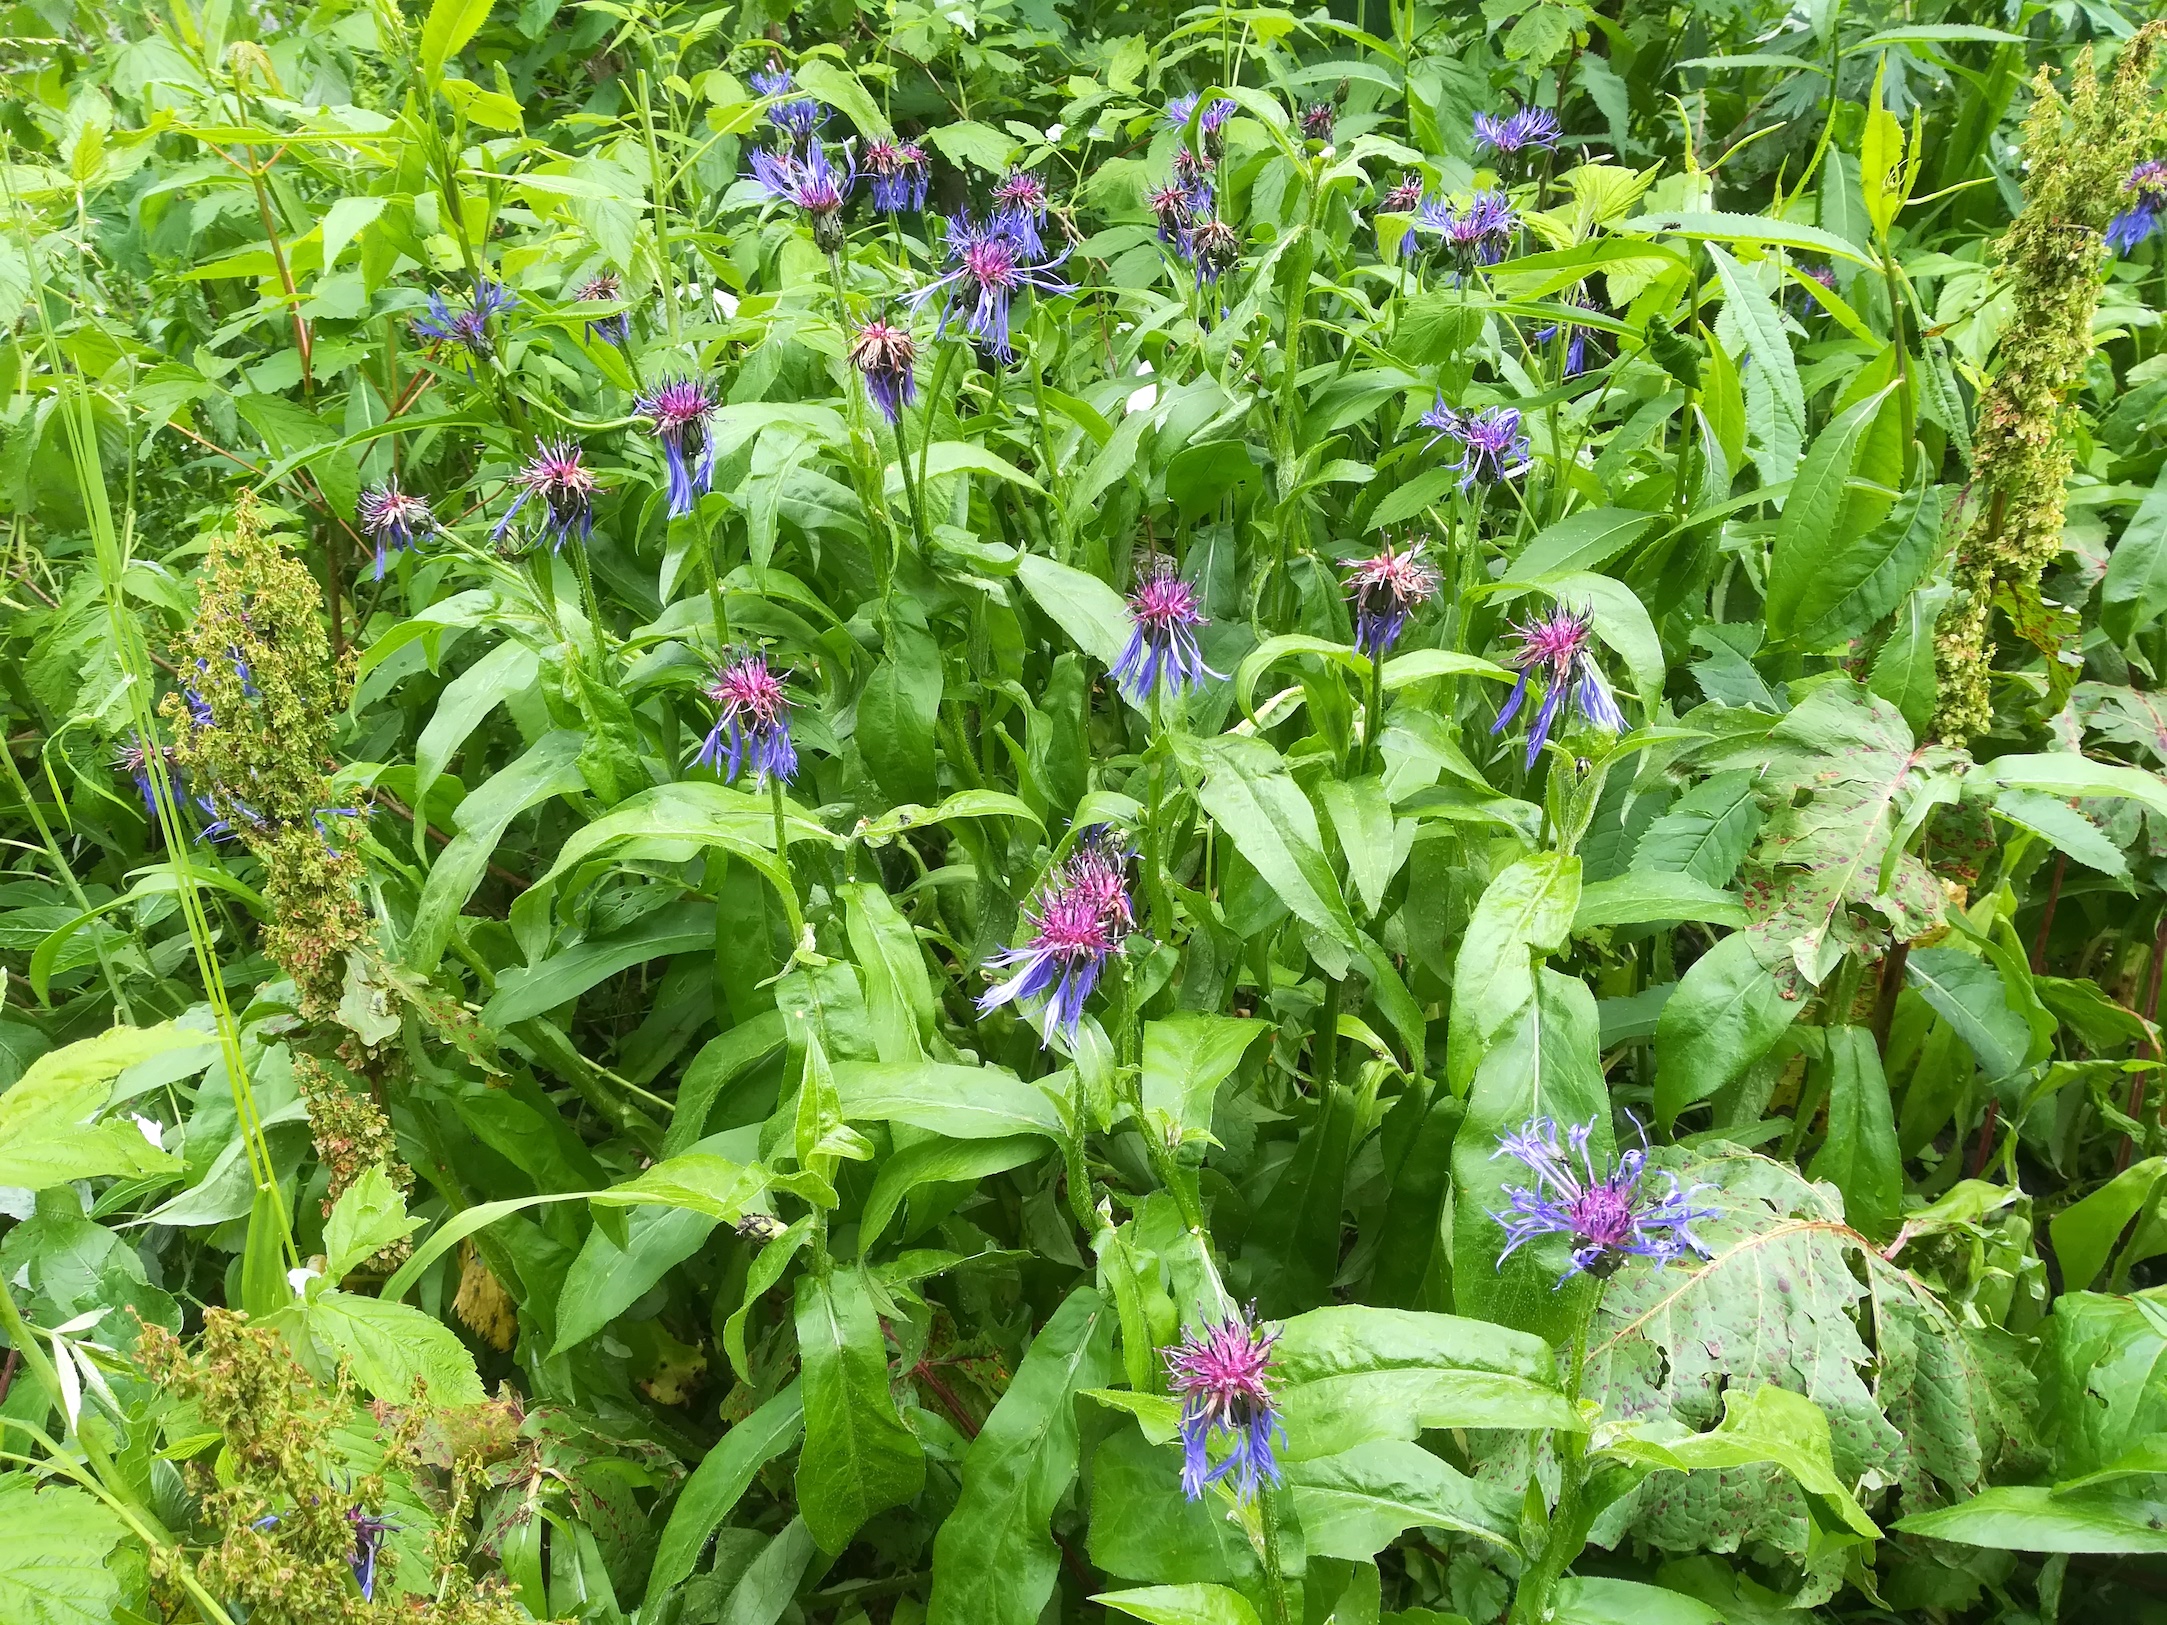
column 1794, row 1298
column 53, row 1561
column 46, row 1134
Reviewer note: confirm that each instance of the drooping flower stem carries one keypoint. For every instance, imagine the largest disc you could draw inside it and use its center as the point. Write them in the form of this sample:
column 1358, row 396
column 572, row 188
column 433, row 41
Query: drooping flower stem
column 1373, row 714
column 782, row 837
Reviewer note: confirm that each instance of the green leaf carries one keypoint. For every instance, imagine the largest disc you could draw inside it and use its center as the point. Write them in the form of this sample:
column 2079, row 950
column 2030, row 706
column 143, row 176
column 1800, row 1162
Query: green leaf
column 939, row 1162
column 1093, row 615
column 699, row 1181
column 898, row 989
column 1806, row 534
column 390, row 1345
column 1771, row 1424
column 966, row 141
column 701, row 813
column 1903, row 672
column 1361, row 815
column 1643, row 896
column 945, row 457
column 46, row 1134
column 1768, row 348
column 1288, row 646
column 1187, row 1056
column 2061, row 773
column 724, row 1475
column 1593, row 1600
column 550, row 767
column 2086, row 1232
column 859, row 1457
column 1706, row 832
column 843, row 90
column 1860, row 1156
column 527, row 991
column 962, row 1102
column 1864, row 577
column 611, row 1274
column 449, row 25
column 1968, row 993
column 1352, row 1373
column 1526, row 911
column 994, row 1559
column 2135, row 589
column 1182, row 1605
column 1355, row 1504
column 897, row 717
column 1727, row 1013
column 1714, row 226
column 1584, row 541
column 1546, row 1064
column 53, row 1561
column 2032, row 1518
column 369, row 1216
column 1249, row 792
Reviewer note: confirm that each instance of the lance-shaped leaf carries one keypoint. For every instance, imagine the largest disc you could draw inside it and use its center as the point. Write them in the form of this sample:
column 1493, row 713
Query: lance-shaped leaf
column 859, row 1457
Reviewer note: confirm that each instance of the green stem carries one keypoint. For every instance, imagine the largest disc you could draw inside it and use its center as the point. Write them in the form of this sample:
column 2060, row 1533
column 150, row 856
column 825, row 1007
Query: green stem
column 1275, row 1576
column 660, row 190
column 40, row 1366
column 1568, row 1529
column 782, row 838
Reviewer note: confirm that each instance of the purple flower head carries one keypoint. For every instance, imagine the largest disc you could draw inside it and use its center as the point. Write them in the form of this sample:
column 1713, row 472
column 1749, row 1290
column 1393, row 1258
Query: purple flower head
column 1162, row 650
column 134, row 760
column 468, row 325
column 220, row 827
column 1528, row 131
column 798, row 118
column 1404, row 195
column 899, row 172
column 680, row 409
column 813, row 184
column 1609, row 1217
column 1222, row 108
column 392, row 519
column 884, row 355
column 752, row 721
column 1221, row 1373
column 1492, row 446
column 1216, row 248
column 200, row 714
column 1077, row 923
column 1559, row 647
column 1477, row 235
column 605, row 288
column 1318, row 121
column 2147, row 187
column 1191, row 173
column 1386, row 588
column 1019, row 209
column 559, row 476
column 989, row 270
column 369, row 1529
column 1170, row 206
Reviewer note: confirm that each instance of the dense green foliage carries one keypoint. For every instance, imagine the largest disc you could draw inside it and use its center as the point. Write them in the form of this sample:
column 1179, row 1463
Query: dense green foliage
column 776, row 775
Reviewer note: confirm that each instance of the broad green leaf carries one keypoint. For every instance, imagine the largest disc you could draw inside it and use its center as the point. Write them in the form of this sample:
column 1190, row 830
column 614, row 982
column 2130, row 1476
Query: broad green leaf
column 1713, row 226
column 1727, row 1013
column 1706, row 832
column 46, row 1134
column 1254, row 799
column 1806, row 534
column 1361, row 816
column 898, row 990
column 1356, row 1503
column 1197, row 1604
column 1641, row 896
column 527, row 991
column 701, row 813
column 699, row 1181
column 609, row 1277
column 1862, row 578
column 841, row 89
column 390, row 1345
column 1595, row 1600
column 1768, row 350
column 1187, row 1056
column 724, row 1475
column 1090, row 612
column 859, row 1457
column 938, row 1162
column 53, row 1562
column 1859, row 1155
column 1526, row 911
column 444, row 33
column 1969, row 995
column 550, row 767
column 1584, row 541
column 1352, row 1373
column 2033, row 1518
column 1771, row 1424
column 994, row 1559
column 2086, row 1232
column 2062, row 773
column 1903, row 672
column 369, row 1215
column 2135, row 589
column 961, row 1102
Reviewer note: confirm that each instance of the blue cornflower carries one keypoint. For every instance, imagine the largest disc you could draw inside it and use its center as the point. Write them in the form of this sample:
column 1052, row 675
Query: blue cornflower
column 134, row 760
column 885, row 356
column 1214, row 248
column 1475, row 236
column 808, row 180
column 680, row 409
column 1576, row 337
column 752, row 723
column 1162, row 651
column 800, row 117
column 899, row 172
column 1387, row 588
column 559, row 476
column 1492, row 446
column 990, row 269
column 391, row 519
column 1608, row 1216
column 1530, row 130
column 1221, row 1373
column 467, row 326
column 604, row 288
column 1019, row 209
column 369, row 1529
column 1222, row 108
column 2147, row 186
column 219, row 827
column 1079, row 921
column 1559, row 646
